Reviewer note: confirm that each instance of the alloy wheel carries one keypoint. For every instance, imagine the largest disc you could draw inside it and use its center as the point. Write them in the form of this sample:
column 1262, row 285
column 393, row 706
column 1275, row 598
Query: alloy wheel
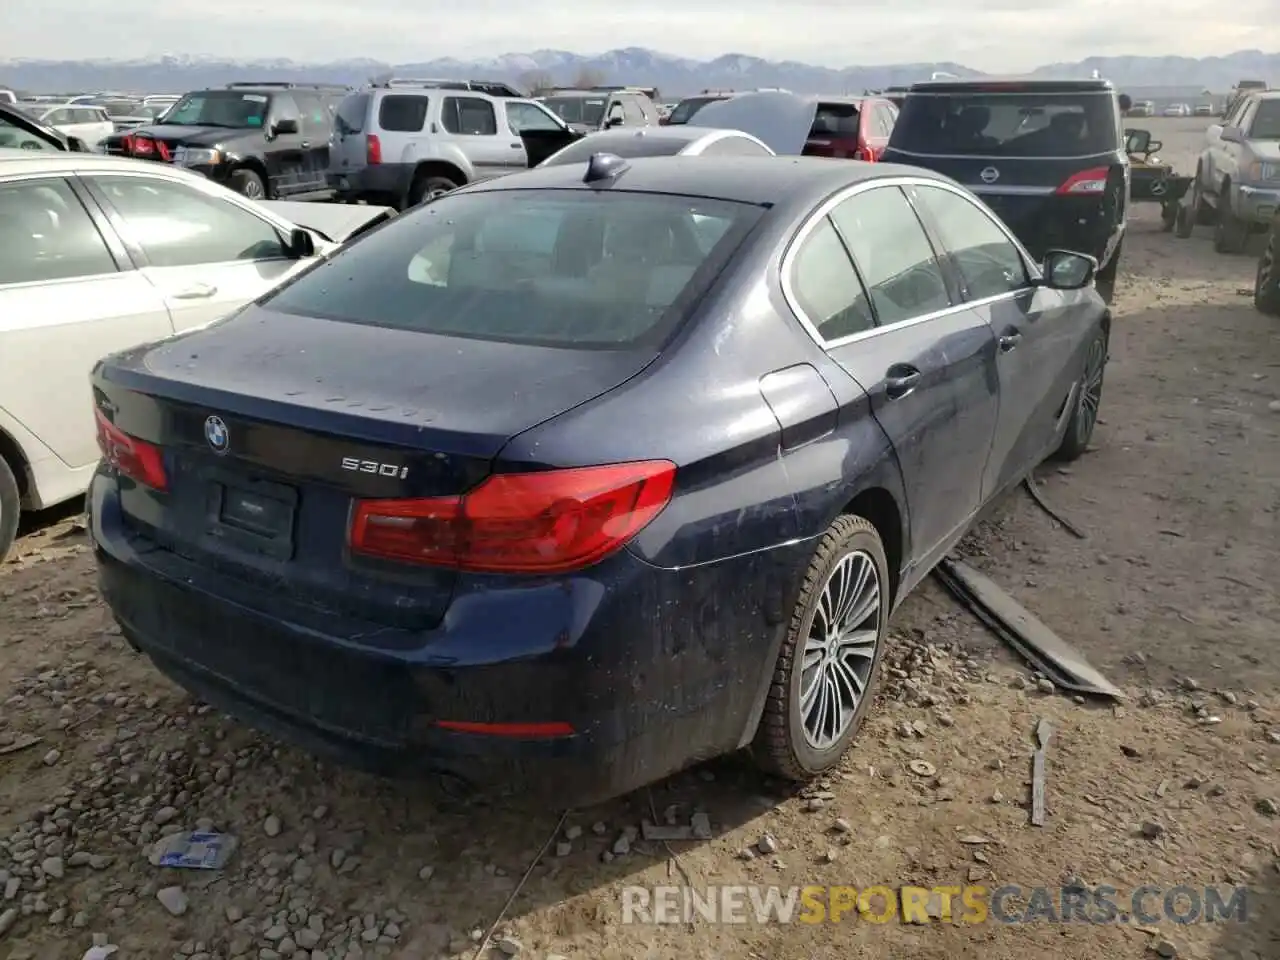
column 1091, row 389
column 840, row 650
column 253, row 189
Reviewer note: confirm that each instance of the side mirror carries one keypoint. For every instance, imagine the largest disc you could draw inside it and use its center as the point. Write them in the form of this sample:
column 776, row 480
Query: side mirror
column 1232, row 135
column 285, row 125
column 1067, row 270
column 301, row 244
column 76, row 145
column 613, row 122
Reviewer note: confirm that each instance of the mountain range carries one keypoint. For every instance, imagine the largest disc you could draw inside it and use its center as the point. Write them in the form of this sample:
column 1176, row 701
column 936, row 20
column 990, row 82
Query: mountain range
column 672, row 75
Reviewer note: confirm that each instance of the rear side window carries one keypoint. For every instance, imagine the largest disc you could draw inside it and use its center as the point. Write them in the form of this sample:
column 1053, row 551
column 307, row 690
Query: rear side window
column 48, row 235
column 827, row 288
column 351, row 112
column 470, row 116
column 1026, row 124
column 987, row 261
column 402, row 112
column 572, row 268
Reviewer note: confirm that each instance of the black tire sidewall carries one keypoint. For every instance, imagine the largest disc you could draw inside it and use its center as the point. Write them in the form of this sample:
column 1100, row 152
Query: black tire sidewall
column 864, row 538
column 1266, row 291
column 238, row 178
column 10, row 508
column 1072, row 445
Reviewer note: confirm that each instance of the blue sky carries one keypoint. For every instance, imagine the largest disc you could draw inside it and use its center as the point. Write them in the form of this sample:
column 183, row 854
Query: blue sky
column 993, row 35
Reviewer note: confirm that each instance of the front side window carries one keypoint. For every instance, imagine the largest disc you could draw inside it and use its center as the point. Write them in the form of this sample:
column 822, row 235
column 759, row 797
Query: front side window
column 826, row 286
column 469, row 116
column 350, row 116
column 179, row 226
column 1266, row 121
column 1025, row 124
column 46, row 234
column 571, row 268
column 528, row 116
column 686, row 108
column 987, row 261
column 893, row 254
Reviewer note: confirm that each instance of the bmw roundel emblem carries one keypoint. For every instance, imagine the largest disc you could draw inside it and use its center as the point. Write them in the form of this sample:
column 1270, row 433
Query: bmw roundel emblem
column 215, row 431
column 989, row 175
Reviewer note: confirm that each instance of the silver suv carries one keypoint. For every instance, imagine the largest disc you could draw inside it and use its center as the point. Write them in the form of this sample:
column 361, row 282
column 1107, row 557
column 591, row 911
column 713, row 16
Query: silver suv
column 400, row 142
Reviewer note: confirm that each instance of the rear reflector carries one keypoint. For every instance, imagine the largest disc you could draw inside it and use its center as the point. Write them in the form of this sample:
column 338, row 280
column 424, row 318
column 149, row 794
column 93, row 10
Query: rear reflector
column 550, row 521
column 1086, row 182
column 134, row 458
column 515, row 731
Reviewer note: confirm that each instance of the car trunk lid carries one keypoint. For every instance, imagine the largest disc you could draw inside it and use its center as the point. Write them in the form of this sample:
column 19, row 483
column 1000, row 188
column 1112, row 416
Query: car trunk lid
column 267, row 441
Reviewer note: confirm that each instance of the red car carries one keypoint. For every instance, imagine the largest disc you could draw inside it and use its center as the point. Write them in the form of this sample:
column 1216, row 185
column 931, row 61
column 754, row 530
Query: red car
column 854, row 128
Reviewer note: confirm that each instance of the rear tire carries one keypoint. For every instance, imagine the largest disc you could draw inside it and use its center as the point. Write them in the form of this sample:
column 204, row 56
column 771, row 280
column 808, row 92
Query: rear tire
column 1266, row 288
column 1084, row 414
column 10, row 508
column 1185, row 224
column 828, row 668
column 1231, row 234
column 249, row 184
column 428, row 187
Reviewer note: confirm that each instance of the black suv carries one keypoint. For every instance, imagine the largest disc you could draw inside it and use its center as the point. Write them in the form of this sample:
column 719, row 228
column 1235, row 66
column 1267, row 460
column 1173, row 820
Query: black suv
column 268, row 141
column 1048, row 156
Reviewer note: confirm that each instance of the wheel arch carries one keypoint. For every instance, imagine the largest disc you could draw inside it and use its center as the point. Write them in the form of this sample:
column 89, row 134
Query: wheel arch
column 439, row 168
column 12, row 453
column 880, row 508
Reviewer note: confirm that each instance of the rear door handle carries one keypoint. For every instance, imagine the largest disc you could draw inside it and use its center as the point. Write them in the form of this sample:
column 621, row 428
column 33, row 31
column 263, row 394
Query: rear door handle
column 198, row 291
column 1009, row 341
column 517, row 146
column 900, row 380
column 306, row 144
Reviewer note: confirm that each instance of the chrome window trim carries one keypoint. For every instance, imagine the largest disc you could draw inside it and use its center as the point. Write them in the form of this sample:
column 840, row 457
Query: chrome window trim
column 824, row 210
column 715, row 136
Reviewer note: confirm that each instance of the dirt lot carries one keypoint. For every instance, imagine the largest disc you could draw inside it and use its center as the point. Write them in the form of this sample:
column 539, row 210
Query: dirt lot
column 1178, row 785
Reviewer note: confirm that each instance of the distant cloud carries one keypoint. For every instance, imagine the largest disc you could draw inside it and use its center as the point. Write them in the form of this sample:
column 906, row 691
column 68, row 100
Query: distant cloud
column 992, row 35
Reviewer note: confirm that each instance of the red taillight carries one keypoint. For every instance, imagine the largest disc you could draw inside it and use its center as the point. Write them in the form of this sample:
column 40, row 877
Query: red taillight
column 372, row 149
column 136, row 459
column 551, row 521
column 141, row 146
column 1086, row 181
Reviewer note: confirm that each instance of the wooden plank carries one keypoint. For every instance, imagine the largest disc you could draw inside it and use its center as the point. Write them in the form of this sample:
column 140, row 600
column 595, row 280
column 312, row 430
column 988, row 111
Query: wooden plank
column 1044, row 731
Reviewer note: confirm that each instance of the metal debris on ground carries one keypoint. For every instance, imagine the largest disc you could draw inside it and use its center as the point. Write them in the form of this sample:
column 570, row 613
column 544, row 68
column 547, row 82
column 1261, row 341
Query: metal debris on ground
column 21, row 743
column 1020, row 629
column 698, row 828
column 1033, row 488
column 1044, row 731
column 487, row 936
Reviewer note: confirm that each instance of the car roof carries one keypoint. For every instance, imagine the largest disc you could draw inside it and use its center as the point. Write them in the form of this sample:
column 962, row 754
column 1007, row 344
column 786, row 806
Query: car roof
column 764, row 181
column 998, row 84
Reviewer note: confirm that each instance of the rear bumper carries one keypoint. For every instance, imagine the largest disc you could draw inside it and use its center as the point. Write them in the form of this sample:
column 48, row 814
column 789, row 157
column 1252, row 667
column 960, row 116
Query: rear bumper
column 647, row 667
column 1083, row 224
column 384, row 182
column 1256, row 204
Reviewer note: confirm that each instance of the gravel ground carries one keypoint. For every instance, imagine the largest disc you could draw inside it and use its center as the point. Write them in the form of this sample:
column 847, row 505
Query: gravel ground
column 1179, row 784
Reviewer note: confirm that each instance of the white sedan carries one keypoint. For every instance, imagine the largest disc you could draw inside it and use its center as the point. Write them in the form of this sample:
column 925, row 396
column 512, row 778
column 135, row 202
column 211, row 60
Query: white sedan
column 98, row 254
column 89, row 122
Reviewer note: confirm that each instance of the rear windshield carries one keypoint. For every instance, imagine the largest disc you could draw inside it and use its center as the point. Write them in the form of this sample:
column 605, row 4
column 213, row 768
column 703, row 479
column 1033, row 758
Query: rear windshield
column 580, row 151
column 570, row 268
column 835, row 120
column 1023, row 124
column 688, row 107
column 350, row 115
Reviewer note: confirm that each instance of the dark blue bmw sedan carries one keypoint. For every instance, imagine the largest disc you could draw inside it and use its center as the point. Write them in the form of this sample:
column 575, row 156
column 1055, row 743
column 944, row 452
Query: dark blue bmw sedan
column 568, row 480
